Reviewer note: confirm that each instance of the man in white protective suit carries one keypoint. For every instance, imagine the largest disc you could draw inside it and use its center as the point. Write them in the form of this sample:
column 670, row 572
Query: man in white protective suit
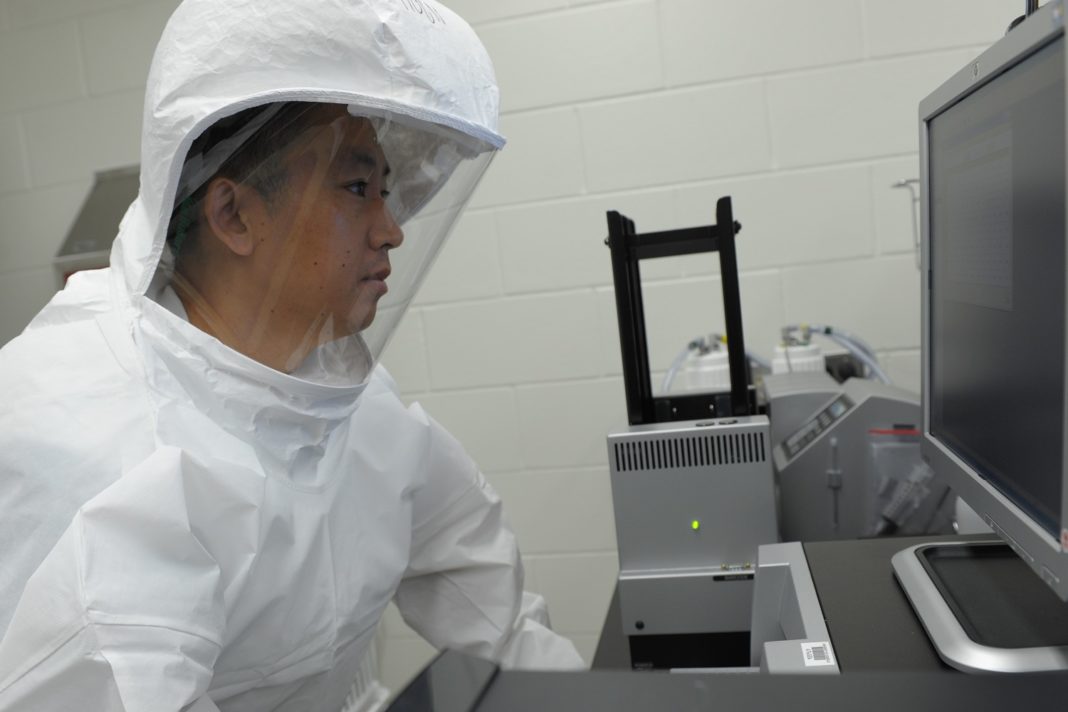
column 209, row 490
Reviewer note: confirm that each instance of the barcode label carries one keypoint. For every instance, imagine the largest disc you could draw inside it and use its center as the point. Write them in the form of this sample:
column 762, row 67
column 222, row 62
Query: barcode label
column 816, row 654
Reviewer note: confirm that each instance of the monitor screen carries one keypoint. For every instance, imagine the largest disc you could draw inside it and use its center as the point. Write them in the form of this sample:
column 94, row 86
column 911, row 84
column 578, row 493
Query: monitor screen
column 996, row 322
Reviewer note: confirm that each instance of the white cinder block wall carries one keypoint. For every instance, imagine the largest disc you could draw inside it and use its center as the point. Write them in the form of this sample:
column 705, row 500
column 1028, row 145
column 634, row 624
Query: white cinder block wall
column 803, row 111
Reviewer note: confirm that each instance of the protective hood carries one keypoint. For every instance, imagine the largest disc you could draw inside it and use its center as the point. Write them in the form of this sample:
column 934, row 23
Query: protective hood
column 411, row 69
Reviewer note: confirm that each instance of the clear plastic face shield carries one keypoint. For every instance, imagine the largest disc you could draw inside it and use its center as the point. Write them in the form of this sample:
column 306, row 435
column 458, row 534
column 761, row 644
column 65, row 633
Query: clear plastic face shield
column 301, row 232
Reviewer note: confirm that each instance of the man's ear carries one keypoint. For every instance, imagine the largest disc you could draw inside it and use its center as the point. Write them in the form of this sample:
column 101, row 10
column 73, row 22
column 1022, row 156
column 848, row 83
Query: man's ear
column 226, row 209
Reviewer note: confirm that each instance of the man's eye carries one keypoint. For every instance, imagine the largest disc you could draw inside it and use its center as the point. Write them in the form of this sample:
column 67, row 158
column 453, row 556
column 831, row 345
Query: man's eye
column 360, row 189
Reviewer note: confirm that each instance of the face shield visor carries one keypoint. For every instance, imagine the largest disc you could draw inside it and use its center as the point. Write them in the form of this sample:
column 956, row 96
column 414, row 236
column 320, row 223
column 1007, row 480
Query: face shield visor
column 301, row 232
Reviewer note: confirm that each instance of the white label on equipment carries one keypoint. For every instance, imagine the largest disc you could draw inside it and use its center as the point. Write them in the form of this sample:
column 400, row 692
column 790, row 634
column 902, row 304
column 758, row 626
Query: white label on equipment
column 817, row 654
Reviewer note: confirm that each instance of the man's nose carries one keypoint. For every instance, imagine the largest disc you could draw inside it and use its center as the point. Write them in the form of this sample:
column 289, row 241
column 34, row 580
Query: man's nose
column 385, row 232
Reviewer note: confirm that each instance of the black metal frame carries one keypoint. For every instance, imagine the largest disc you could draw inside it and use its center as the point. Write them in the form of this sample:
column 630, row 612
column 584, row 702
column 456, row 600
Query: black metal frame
column 628, row 248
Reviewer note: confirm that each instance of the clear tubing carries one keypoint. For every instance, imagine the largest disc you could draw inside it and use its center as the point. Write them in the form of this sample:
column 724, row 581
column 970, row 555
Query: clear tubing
column 676, row 364
column 828, row 330
column 852, row 343
column 696, row 345
column 870, row 362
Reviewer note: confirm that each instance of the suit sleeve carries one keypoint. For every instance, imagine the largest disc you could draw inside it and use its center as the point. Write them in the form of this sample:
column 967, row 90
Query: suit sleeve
column 464, row 585
column 125, row 614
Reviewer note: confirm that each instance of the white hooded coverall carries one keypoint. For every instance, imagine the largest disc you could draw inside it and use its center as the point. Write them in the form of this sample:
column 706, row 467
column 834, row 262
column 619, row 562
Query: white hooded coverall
column 183, row 528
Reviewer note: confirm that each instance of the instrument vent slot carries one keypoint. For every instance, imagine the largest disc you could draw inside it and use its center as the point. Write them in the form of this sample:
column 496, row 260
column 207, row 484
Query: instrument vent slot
column 688, row 451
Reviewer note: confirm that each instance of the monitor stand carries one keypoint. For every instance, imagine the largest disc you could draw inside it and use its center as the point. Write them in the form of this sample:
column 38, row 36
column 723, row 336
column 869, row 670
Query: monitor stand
column 983, row 608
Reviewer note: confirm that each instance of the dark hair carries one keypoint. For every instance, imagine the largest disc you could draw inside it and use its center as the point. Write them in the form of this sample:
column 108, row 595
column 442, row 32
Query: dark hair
column 256, row 162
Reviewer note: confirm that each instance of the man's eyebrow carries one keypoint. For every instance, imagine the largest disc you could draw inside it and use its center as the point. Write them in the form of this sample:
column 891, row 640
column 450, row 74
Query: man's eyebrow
column 357, row 157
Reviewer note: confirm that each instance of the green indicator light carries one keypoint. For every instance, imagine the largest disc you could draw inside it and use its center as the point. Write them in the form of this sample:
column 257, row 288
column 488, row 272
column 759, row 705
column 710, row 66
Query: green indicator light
column 695, row 525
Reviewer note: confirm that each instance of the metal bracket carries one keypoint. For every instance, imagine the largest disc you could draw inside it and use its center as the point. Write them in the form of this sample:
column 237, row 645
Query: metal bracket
column 628, row 248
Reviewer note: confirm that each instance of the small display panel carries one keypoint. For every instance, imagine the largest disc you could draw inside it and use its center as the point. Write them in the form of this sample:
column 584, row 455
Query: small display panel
column 997, row 295
column 814, row 426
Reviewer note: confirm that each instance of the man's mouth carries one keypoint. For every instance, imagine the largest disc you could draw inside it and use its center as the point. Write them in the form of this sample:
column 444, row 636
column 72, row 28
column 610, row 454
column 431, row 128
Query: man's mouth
column 377, row 280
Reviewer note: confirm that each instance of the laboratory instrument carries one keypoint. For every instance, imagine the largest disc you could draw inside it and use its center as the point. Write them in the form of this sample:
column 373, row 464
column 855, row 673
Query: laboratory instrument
column 847, row 460
column 691, row 476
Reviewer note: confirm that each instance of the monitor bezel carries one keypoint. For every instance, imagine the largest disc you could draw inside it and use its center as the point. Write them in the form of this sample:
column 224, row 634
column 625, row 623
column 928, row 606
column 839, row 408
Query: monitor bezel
column 1045, row 554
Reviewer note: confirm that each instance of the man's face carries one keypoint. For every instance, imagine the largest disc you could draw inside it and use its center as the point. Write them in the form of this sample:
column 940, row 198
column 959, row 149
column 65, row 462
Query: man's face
column 326, row 233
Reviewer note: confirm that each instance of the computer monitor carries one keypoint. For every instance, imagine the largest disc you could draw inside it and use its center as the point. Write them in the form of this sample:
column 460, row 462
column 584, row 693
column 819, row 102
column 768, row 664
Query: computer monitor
column 993, row 201
column 992, row 156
